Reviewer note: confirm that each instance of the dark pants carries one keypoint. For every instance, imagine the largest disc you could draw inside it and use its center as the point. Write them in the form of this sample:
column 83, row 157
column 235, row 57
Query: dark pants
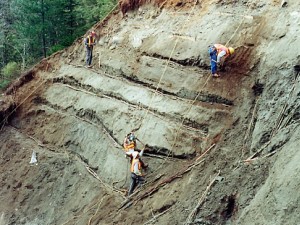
column 89, row 55
column 136, row 181
column 213, row 59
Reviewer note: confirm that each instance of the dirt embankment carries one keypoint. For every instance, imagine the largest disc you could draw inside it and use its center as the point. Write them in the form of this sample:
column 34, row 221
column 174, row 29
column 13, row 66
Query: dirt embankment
column 220, row 151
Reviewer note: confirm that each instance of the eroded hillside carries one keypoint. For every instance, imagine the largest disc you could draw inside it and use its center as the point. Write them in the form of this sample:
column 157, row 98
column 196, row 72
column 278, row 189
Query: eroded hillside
column 220, row 151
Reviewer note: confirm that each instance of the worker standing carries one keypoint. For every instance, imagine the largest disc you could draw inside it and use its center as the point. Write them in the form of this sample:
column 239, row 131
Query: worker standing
column 137, row 178
column 89, row 42
column 217, row 54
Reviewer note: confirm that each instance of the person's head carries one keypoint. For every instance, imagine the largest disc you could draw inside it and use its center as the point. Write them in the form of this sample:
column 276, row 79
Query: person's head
column 92, row 33
column 135, row 155
column 231, row 50
column 131, row 137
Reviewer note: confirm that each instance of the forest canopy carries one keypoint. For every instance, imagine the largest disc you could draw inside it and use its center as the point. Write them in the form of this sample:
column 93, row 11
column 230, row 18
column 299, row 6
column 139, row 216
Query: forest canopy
column 34, row 29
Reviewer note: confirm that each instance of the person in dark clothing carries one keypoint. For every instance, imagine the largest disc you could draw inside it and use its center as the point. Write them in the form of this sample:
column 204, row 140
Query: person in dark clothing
column 89, row 42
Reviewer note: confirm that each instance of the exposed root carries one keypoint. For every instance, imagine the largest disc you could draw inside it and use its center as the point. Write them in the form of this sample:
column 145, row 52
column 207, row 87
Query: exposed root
column 201, row 200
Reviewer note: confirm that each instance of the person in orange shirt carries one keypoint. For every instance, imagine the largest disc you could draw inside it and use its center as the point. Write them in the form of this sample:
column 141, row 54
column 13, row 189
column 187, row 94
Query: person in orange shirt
column 217, row 53
column 137, row 178
column 129, row 145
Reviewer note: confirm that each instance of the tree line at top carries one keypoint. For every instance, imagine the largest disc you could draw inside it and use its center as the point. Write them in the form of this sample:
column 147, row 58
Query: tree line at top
column 34, row 29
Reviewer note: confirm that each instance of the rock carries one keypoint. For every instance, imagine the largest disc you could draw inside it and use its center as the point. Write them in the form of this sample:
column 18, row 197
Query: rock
column 219, row 178
column 112, row 47
column 284, row 3
column 116, row 40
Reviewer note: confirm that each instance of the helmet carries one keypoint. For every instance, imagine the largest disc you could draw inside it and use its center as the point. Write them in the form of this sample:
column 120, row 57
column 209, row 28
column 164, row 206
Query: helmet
column 131, row 137
column 135, row 154
column 231, row 50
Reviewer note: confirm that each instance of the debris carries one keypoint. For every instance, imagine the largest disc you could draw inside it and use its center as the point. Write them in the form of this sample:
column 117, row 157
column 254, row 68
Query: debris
column 90, row 220
column 201, row 200
column 156, row 216
column 33, row 158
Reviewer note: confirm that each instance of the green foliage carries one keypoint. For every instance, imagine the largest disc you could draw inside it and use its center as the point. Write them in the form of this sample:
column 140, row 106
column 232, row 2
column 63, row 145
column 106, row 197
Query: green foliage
column 4, row 84
column 55, row 48
column 11, row 70
column 32, row 29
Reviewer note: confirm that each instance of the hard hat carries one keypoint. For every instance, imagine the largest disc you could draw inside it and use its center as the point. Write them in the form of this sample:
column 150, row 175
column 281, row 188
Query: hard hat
column 231, row 50
column 135, row 154
column 93, row 33
column 131, row 137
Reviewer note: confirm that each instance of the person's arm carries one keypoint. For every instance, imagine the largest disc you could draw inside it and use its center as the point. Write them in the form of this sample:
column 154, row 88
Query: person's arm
column 125, row 142
column 220, row 55
column 141, row 152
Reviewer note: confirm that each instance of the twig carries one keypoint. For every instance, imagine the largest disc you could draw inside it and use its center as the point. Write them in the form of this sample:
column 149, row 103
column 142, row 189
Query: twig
column 269, row 154
column 259, row 151
column 276, row 128
column 281, row 115
column 94, row 174
column 250, row 126
column 175, row 176
column 201, row 200
column 156, row 216
column 130, row 198
column 159, row 156
column 168, row 180
column 203, row 154
column 90, row 220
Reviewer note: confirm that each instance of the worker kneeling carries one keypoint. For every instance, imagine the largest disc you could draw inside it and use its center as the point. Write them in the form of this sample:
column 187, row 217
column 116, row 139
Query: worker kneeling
column 129, row 145
column 218, row 53
column 137, row 178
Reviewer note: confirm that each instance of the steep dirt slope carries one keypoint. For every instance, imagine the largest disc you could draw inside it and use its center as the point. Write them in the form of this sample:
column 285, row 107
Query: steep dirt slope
column 220, row 151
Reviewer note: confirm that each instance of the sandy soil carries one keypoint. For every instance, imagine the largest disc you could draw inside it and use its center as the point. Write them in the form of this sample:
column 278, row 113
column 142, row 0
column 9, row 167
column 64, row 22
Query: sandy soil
column 220, row 151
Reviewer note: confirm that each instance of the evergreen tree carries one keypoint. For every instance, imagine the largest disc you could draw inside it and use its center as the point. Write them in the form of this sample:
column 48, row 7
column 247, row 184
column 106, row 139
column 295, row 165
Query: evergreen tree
column 6, row 20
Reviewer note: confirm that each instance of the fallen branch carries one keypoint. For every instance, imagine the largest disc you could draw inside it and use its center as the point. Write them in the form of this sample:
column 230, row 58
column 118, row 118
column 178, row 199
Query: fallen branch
column 159, row 156
column 204, row 153
column 156, row 216
column 128, row 201
column 201, row 200
column 250, row 126
column 265, row 156
column 177, row 175
column 259, row 151
column 270, row 154
column 166, row 181
column 90, row 220
column 94, row 174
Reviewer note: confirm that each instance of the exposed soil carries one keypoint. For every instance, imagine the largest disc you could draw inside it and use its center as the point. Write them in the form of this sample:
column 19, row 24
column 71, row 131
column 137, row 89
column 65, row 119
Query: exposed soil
column 220, row 151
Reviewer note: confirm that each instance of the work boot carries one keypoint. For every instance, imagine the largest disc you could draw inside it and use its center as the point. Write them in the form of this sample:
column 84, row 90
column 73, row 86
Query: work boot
column 215, row 75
